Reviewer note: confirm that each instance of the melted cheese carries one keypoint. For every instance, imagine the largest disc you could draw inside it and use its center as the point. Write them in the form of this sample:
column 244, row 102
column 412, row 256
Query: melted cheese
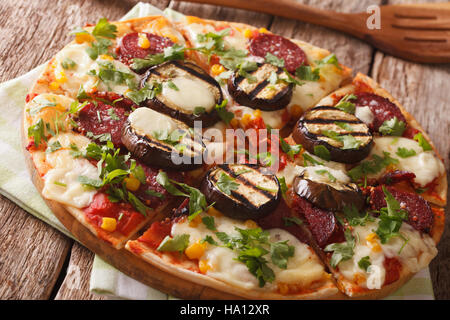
column 65, row 170
column 72, row 192
column 364, row 114
column 146, row 121
column 308, row 94
column 192, row 92
column 272, row 118
column 425, row 165
column 302, row 269
column 415, row 255
column 313, row 174
column 77, row 76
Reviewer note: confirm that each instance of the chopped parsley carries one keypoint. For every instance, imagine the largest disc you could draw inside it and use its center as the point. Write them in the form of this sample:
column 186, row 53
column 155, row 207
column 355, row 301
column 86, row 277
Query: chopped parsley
column 371, row 166
column 391, row 218
column 290, row 150
column 364, row 263
column 53, row 147
column 149, row 91
column 322, row 152
column 226, row 184
column 423, row 142
column 274, row 60
column 392, row 127
column 290, row 221
column 341, row 251
column 345, row 105
column 179, row 243
column 307, row 73
column 209, row 222
column 225, row 115
column 252, row 246
column 330, row 176
column 405, row 153
column 197, row 200
column 68, row 63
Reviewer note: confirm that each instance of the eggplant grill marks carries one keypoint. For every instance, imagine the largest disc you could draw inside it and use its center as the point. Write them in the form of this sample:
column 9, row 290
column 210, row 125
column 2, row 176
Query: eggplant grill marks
column 259, row 93
column 328, row 118
column 250, row 194
column 347, row 138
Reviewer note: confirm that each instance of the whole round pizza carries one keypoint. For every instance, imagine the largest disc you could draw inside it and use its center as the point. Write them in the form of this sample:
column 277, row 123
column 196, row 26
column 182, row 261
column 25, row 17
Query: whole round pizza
column 213, row 159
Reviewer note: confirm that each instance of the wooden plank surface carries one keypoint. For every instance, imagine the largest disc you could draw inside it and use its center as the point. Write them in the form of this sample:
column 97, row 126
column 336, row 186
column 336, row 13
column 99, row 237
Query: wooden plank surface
column 22, row 274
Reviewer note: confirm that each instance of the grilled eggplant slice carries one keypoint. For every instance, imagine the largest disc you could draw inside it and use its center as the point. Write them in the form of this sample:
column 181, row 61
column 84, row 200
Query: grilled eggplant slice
column 328, row 195
column 241, row 191
column 187, row 92
column 347, row 139
column 258, row 92
column 157, row 140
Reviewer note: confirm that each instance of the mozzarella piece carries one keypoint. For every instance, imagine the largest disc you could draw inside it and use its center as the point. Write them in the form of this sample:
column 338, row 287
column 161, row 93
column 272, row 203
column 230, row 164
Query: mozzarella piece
column 289, row 172
column 77, row 76
column 147, row 121
column 415, row 255
column 65, row 170
column 302, row 269
column 312, row 174
column 425, row 165
column 364, row 114
column 111, row 86
column 192, row 92
column 308, row 94
column 72, row 192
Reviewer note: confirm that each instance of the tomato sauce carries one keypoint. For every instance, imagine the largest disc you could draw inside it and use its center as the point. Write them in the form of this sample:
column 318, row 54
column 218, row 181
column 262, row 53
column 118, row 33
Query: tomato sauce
column 127, row 217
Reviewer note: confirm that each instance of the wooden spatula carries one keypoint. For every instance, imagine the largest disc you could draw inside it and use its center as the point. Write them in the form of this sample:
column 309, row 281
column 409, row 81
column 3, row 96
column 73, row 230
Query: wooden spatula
column 416, row 32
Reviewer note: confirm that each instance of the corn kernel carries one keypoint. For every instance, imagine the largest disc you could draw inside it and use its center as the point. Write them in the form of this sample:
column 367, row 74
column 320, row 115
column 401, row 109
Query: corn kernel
column 234, row 122
column 54, row 85
column 245, row 119
column 359, row 278
column 250, row 224
column 171, row 36
column 83, row 37
column 143, row 41
column 106, row 57
column 204, row 266
column 217, row 69
column 214, row 212
column 248, row 33
column 372, row 240
column 263, row 30
column 195, row 222
column 257, row 113
column 195, row 250
column 61, row 77
column 109, row 224
column 131, row 183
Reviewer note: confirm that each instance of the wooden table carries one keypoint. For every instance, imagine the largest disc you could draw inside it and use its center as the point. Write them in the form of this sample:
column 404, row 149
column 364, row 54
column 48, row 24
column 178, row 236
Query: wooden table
column 37, row 262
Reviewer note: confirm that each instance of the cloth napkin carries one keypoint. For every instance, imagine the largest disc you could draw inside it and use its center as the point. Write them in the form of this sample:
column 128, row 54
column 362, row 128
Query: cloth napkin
column 16, row 185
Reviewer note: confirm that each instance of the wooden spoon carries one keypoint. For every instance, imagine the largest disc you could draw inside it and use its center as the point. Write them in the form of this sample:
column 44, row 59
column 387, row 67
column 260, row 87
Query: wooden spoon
column 416, row 32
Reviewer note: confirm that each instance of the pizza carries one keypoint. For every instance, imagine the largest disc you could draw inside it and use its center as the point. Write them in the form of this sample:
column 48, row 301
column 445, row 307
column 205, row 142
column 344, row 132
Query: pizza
column 235, row 159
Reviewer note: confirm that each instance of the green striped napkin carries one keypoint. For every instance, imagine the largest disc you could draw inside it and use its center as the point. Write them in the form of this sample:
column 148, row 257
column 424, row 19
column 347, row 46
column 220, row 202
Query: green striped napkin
column 16, row 185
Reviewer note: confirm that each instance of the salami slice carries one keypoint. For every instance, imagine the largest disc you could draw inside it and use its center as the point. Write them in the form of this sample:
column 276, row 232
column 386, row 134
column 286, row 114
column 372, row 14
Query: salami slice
column 280, row 47
column 279, row 218
column 420, row 215
column 129, row 46
column 322, row 224
column 397, row 176
column 382, row 109
column 100, row 118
